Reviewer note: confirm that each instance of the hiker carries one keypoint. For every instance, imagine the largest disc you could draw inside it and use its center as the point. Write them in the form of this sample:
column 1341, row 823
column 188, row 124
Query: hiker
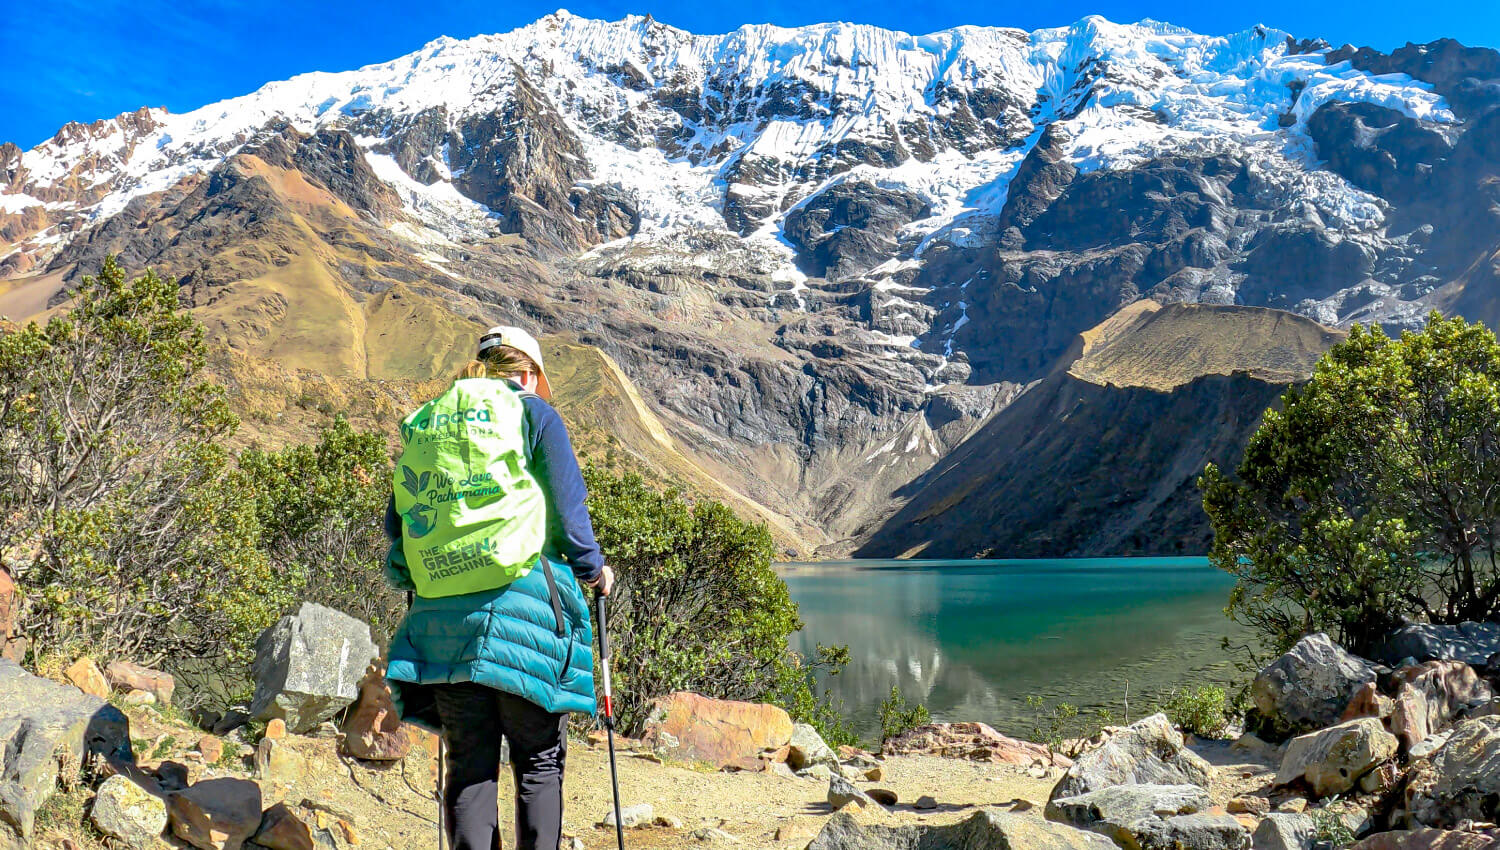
column 490, row 531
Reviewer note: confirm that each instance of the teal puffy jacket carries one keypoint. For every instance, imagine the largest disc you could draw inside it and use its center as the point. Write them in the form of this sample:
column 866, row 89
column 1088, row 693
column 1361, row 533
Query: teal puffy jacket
column 508, row 639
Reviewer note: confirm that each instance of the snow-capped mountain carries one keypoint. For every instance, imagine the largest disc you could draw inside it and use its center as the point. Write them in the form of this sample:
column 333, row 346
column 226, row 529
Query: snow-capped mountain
column 879, row 236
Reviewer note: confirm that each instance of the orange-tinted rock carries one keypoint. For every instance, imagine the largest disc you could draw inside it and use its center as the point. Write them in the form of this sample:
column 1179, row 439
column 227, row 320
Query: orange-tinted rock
column 1408, row 720
column 275, row 729
column 971, row 741
column 126, row 676
column 1368, row 701
column 8, row 612
column 373, row 728
column 688, row 727
column 280, row 829
column 1447, row 687
column 85, row 675
column 218, row 814
column 211, row 748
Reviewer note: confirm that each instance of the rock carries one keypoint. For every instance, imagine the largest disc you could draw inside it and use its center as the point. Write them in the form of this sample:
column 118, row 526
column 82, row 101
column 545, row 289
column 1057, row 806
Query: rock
column 1284, row 831
column 1461, row 781
column 1448, row 688
column 373, row 728
column 687, row 727
column 275, row 729
column 1426, row 839
column 714, row 835
column 1470, row 643
column 277, row 761
column 1149, row 751
column 798, row 830
column 926, row 801
column 1380, row 780
column 1408, row 720
column 841, row 792
column 216, row 814
column 47, row 730
column 819, row 772
column 128, row 813
column 971, row 741
column 172, row 776
column 138, row 698
column 1152, row 817
column 667, row 821
column 230, row 721
column 874, row 774
column 1348, row 814
column 989, row 829
column 211, row 747
column 883, row 796
column 631, row 817
column 1429, row 745
column 308, row 666
column 1292, row 806
column 1368, row 701
column 12, row 645
column 779, row 768
column 808, row 748
column 280, row 829
column 126, row 676
column 1248, row 804
column 86, row 676
column 1310, row 686
column 1332, row 760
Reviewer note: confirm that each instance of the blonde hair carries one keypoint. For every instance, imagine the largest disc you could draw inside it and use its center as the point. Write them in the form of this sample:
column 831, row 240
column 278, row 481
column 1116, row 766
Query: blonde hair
column 502, row 361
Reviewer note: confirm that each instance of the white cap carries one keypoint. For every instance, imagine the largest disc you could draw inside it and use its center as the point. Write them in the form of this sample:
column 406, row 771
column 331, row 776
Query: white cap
column 513, row 337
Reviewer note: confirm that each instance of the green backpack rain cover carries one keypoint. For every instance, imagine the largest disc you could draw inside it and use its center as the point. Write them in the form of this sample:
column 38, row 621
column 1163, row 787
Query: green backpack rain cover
column 473, row 516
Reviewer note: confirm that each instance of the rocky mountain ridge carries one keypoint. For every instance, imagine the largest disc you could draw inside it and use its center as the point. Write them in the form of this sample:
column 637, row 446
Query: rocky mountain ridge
column 827, row 256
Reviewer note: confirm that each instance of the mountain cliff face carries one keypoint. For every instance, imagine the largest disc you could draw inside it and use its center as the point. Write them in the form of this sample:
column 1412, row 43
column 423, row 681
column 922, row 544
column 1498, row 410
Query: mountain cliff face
column 834, row 261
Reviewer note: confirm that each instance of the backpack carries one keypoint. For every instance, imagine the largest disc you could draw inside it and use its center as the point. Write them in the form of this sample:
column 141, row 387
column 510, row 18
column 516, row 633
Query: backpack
column 473, row 517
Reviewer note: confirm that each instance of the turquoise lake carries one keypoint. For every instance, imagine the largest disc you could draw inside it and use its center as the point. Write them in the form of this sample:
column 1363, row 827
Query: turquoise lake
column 973, row 639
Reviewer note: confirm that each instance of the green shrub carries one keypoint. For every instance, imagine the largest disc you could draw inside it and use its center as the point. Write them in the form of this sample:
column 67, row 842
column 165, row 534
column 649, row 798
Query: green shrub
column 1062, row 727
column 1204, row 711
column 1368, row 499
column 897, row 718
column 797, row 693
column 116, row 513
column 319, row 509
column 696, row 604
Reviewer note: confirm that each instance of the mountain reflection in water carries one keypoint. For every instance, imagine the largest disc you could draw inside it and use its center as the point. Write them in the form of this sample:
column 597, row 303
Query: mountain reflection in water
column 973, row 639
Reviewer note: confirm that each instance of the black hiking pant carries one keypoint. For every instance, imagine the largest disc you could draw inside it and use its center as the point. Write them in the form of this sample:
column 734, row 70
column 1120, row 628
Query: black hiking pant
column 475, row 718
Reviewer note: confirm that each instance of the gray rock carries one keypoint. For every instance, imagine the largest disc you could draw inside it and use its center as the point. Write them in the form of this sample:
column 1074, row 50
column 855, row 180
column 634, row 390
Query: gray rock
column 1149, row 751
column 46, row 730
column 1471, row 643
column 308, row 666
column 1309, row 687
column 128, row 813
column 1332, row 760
column 1284, row 831
column 818, row 772
column 990, row 829
column 808, row 748
column 1461, row 781
column 841, row 792
column 1151, row 817
column 640, row 814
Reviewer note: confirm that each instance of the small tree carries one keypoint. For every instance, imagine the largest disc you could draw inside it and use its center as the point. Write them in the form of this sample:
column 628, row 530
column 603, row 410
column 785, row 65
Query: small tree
column 114, row 509
column 1373, row 495
column 318, row 509
column 696, row 606
column 897, row 718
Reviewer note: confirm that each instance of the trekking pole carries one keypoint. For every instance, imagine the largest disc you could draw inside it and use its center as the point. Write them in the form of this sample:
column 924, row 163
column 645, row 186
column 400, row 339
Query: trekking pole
column 609, row 716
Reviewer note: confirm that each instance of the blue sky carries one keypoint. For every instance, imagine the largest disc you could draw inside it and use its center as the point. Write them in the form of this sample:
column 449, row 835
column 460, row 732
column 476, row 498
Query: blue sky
column 63, row 60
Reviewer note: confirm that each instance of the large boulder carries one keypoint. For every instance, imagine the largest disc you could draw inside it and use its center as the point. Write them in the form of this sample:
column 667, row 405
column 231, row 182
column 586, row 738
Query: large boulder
column 128, row 813
column 308, row 666
column 971, row 741
column 1471, row 643
column 1149, row 751
column 1461, row 781
column 1448, row 689
column 988, row 829
column 687, row 727
column 216, row 814
column 1285, row 831
column 1152, row 817
column 47, row 729
column 1310, row 686
column 1332, row 760
column 808, row 748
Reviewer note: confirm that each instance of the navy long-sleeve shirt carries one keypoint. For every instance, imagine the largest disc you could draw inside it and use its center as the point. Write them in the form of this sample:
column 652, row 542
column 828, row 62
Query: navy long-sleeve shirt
column 570, row 534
